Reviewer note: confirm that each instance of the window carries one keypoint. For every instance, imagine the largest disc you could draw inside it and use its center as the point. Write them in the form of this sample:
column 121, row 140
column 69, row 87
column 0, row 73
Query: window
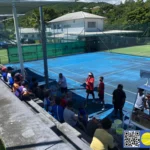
column 55, row 26
column 32, row 35
column 38, row 35
column 26, row 36
column 59, row 26
column 91, row 24
column 67, row 26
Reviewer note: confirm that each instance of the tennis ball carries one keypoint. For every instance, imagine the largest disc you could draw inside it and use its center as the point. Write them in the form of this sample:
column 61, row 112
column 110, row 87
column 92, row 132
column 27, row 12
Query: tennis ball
column 145, row 139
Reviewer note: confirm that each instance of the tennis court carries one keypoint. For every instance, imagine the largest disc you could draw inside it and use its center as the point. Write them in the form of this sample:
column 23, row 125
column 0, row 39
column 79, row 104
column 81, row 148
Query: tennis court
column 116, row 68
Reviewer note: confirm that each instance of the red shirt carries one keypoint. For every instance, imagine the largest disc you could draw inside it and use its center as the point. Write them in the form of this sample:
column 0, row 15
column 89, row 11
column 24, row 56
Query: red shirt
column 63, row 103
column 101, row 88
column 90, row 83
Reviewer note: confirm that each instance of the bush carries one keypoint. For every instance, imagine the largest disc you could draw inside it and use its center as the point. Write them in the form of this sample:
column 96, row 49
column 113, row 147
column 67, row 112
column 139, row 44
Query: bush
column 2, row 146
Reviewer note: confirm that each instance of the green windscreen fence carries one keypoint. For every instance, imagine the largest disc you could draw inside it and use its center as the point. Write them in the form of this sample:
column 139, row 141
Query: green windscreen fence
column 35, row 52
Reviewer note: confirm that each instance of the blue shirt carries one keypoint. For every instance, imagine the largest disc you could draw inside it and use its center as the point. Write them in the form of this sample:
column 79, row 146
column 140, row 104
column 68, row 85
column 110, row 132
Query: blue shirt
column 11, row 81
column 4, row 75
column 58, row 112
column 47, row 104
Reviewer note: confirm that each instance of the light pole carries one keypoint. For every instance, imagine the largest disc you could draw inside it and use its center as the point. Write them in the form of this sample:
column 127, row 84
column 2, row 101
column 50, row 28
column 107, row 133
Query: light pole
column 18, row 39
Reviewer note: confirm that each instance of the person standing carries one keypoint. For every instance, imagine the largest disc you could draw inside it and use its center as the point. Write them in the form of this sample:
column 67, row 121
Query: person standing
column 119, row 97
column 140, row 103
column 101, row 92
column 90, row 86
column 62, row 83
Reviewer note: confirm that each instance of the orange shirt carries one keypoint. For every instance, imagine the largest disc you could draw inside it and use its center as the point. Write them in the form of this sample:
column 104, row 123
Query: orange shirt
column 15, row 87
column 90, row 83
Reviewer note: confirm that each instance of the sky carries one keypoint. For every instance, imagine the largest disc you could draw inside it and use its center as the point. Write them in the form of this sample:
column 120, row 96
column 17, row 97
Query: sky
column 108, row 1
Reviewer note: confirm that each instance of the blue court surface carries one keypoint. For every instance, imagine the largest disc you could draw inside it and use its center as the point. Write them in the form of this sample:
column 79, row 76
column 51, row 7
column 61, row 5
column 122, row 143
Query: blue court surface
column 115, row 68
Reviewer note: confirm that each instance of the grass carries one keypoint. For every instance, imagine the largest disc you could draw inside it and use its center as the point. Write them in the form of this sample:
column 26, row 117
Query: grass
column 3, row 56
column 143, row 50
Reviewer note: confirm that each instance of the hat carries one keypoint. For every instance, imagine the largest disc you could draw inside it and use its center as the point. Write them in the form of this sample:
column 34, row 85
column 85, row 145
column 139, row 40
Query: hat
column 89, row 73
column 9, row 68
column 4, row 68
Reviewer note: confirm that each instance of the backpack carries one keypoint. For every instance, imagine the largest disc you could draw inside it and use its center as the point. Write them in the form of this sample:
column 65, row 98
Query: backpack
column 19, row 92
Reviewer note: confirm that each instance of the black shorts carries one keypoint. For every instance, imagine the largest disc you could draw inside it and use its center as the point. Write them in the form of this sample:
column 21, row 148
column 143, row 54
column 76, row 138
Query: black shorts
column 136, row 109
column 89, row 91
column 101, row 96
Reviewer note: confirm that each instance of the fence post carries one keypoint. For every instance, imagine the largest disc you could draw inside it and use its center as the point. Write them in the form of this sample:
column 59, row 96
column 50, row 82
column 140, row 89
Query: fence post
column 8, row 55
column 44, row 46
column 36, row 53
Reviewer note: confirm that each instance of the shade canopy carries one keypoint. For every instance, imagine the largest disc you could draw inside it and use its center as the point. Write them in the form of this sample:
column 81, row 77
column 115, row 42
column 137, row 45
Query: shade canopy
column 24, row 6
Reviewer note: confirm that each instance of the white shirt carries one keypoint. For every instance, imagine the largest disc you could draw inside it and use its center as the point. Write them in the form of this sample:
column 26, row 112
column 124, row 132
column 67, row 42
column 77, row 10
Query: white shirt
column 63, row 82
column 139, row 104
column 8, row 76
column 24, row 90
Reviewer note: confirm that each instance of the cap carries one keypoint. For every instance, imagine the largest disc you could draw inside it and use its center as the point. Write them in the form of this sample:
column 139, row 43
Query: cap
column 9, row 68
column 89, row 73
column 4, row 68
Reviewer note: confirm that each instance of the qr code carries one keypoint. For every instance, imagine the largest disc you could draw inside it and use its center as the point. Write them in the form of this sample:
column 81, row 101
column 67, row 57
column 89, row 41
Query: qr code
column 131, row 138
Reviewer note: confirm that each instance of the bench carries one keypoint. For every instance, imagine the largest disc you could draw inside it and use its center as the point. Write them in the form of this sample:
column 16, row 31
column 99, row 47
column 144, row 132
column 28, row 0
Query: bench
column 67, row 130
column 72, row 134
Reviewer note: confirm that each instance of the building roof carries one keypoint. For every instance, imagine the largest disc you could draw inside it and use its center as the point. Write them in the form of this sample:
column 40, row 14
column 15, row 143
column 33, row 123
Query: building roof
column 86, row 34
column 106, row 32
column 75, row 16
column 28, row 30
column 31, row 30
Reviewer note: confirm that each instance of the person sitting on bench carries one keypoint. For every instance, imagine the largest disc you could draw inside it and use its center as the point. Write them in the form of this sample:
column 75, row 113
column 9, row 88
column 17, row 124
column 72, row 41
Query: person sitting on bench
column 103, row 140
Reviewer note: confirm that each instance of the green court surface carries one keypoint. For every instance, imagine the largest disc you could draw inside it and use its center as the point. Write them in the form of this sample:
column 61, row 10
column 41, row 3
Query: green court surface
column 143, row 50
column 3, row 56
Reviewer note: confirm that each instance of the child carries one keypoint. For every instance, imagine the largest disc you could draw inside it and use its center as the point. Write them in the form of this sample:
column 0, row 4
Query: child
column 4, row 74
column 68, row 96
column 82, row 116
column 57, row 110
column 47, row 101
column 63, row 101
column 26, row 95
column 101, row 92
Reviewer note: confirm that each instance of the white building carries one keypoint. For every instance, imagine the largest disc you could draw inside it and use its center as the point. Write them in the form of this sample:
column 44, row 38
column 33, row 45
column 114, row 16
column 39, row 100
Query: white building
column 77, row 22
column 31, row 33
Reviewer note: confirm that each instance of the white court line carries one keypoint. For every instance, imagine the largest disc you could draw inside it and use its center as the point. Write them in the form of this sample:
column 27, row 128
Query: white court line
column 69, row 64
column 97, row 80
column 104, row 58
column 82, row 83
column 123, row 70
